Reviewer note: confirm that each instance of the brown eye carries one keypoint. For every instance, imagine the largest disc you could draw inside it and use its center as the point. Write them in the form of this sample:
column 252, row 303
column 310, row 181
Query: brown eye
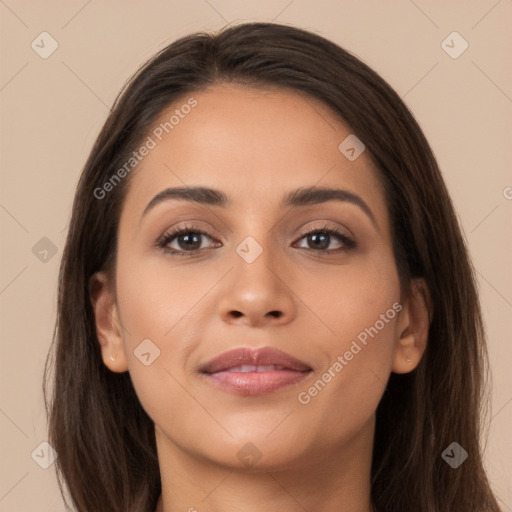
column 183, row 241
column 190, row 241
column 321, row 240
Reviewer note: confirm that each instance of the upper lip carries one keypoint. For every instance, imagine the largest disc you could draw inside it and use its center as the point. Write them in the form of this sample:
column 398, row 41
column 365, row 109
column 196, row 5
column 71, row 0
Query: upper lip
column 266, row 356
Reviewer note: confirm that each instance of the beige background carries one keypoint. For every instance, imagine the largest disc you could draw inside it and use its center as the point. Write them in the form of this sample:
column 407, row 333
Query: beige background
column 52, row 110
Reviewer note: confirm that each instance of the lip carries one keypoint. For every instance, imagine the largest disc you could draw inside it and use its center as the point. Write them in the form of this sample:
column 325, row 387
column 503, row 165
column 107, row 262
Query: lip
column 222, row 370
column 266, row 356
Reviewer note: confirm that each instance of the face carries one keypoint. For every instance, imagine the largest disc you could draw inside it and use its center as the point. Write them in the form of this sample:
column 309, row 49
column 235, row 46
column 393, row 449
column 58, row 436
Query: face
column 315, row 278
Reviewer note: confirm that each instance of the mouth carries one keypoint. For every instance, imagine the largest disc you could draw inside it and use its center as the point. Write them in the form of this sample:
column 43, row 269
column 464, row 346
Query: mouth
column 246, row 371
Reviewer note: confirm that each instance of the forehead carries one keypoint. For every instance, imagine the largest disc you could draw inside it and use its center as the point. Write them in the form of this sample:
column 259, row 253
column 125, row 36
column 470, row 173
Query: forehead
column 252, row 143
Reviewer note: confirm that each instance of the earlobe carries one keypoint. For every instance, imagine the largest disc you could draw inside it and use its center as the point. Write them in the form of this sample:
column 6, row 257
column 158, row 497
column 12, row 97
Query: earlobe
column 108, row 327
column 412, row 328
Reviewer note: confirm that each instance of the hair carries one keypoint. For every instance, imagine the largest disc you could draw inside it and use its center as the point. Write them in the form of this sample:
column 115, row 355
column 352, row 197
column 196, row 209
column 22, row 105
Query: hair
column 106, row 441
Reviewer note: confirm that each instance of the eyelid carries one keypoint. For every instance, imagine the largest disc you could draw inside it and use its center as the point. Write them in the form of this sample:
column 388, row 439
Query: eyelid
column 187, row 225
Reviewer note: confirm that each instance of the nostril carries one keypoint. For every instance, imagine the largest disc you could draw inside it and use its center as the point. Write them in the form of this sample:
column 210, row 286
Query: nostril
column 275, row 314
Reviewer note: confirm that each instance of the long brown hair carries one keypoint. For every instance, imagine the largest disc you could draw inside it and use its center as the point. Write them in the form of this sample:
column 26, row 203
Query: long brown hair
column 105, row 440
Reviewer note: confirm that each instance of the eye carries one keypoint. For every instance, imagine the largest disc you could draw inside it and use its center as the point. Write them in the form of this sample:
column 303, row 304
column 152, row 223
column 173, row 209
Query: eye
column 319, row 240
column 187, row 241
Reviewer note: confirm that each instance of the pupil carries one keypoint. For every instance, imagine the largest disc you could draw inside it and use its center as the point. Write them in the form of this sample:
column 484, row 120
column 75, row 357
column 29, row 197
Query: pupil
column 324, row 243
column 190, row 238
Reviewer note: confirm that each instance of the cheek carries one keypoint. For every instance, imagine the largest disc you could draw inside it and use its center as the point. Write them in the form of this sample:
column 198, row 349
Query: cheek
column 157, row 300
column 162, row 311
column 352, row 298
column 358, row 310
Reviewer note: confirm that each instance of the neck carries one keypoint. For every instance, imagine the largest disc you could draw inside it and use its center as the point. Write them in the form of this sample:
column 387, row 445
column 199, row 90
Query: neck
column 329, row 480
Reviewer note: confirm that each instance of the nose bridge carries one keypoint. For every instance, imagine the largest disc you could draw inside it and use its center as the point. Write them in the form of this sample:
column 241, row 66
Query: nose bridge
column 257, row 289
column 255, row 264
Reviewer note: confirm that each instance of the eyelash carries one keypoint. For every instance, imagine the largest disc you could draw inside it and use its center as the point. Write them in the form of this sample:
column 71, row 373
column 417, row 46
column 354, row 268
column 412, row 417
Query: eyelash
column 348, row 243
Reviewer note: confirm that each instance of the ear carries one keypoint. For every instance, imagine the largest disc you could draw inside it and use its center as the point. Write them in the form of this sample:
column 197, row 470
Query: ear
column 108, row 326
column 412, row 326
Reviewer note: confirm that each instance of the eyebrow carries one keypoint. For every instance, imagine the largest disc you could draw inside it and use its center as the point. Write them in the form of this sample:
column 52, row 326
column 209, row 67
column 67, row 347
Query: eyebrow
column 296, row 198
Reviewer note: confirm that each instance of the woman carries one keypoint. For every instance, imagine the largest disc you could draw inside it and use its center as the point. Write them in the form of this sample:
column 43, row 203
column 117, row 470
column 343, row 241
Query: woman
column 265, row 300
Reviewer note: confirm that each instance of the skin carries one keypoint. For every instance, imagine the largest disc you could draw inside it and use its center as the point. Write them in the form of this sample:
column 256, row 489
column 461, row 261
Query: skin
column 255, row 145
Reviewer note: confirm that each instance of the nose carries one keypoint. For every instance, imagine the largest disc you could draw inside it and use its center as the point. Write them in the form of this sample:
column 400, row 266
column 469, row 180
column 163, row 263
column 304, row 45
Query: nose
column 258, row 293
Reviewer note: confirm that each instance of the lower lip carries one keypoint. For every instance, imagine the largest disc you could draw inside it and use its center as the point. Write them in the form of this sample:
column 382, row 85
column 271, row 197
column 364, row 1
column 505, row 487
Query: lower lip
column 255, row 383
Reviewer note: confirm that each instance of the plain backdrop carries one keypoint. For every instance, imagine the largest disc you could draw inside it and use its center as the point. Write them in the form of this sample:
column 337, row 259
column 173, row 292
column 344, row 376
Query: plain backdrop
column 53, row 108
